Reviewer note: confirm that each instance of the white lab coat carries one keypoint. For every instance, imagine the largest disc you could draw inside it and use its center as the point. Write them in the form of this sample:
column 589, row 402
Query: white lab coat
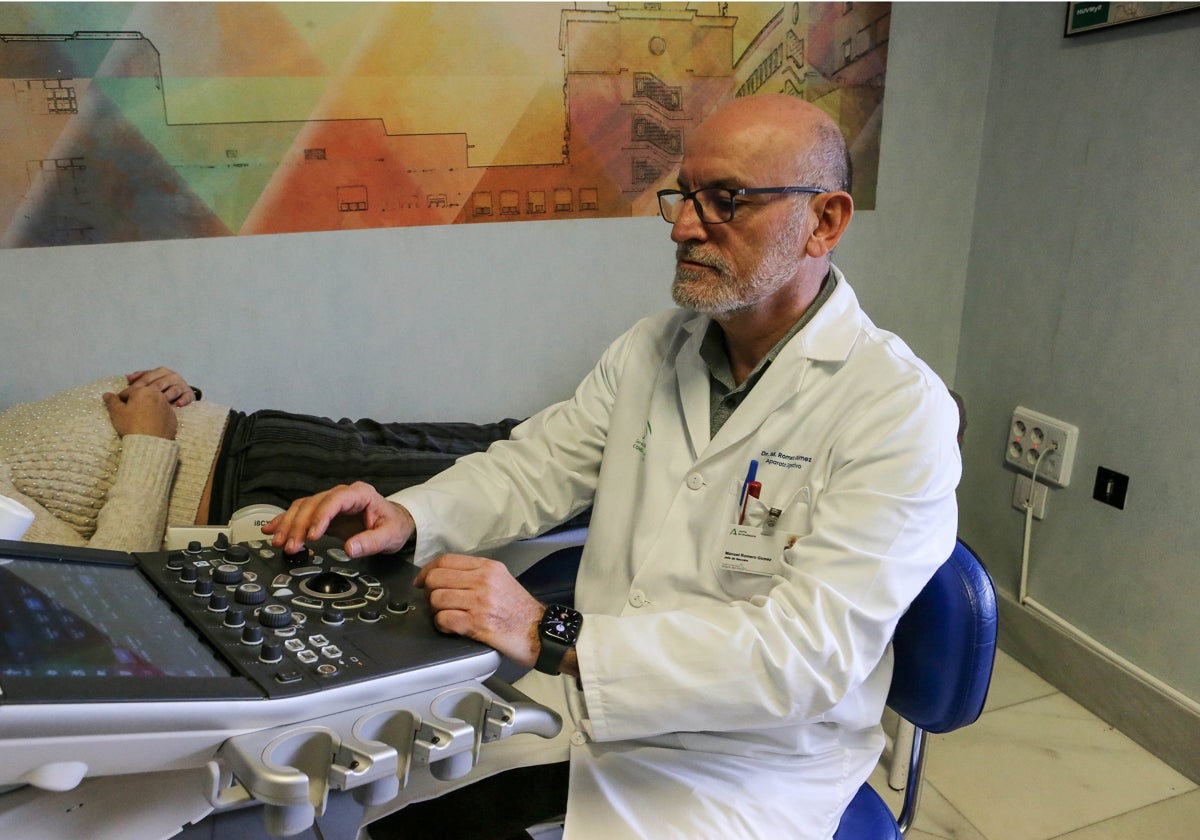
column 719, row 703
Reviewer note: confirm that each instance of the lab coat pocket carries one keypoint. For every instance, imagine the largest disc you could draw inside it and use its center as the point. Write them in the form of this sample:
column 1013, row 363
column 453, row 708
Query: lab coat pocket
column 795, row 517
column 748, row 511
column 748, row 554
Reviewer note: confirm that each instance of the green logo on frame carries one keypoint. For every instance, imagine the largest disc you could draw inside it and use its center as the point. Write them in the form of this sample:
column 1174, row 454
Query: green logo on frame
column 1084, row 15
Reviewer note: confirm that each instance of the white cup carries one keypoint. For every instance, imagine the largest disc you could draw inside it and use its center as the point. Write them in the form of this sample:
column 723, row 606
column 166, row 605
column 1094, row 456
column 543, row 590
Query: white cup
column 15, row 519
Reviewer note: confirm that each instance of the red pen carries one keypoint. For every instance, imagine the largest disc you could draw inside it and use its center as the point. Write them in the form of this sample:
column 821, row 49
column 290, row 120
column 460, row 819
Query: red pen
column 752, row 489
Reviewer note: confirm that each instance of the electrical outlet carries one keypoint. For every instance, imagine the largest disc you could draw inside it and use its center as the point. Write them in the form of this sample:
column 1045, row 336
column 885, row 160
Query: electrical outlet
column 1031, row 433
column 1021, row 494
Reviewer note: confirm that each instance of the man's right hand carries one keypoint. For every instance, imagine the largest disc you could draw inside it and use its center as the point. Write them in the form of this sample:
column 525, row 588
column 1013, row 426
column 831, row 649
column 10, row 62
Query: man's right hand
column 375, row 525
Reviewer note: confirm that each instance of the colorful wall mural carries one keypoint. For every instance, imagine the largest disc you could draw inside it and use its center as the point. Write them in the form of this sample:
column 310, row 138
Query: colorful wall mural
column 143, row 121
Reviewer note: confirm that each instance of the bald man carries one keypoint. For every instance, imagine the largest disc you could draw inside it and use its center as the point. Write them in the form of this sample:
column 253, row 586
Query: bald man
column 772, row 480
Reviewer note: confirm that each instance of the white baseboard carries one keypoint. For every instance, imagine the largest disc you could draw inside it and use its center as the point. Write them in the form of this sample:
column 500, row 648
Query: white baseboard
column 1161, row 720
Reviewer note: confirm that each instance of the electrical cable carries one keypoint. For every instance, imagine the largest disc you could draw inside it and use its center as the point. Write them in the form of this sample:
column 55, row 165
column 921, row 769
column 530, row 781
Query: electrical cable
column 1022, row 593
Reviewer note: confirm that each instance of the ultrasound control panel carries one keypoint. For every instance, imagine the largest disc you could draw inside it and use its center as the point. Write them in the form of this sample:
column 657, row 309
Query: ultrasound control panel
column 298, row 623
column 227, row 621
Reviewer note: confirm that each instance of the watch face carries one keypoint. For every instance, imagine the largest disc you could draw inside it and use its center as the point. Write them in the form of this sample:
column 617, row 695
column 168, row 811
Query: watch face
column 561, row 624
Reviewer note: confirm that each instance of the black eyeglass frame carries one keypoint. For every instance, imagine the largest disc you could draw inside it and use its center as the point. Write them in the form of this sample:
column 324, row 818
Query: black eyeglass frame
column 732, row 204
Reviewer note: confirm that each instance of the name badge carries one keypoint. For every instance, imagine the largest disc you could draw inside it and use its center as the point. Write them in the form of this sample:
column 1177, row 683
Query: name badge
column 754, row 551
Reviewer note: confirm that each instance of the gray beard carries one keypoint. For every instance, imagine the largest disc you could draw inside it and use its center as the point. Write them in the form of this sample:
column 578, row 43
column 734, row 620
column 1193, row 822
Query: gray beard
column 718, row 292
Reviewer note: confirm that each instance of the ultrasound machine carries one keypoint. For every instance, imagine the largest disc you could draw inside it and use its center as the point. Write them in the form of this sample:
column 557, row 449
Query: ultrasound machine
column 140, row 693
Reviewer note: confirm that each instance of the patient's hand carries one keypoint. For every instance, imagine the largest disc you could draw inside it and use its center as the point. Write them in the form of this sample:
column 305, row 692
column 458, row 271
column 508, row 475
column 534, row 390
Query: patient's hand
column 141, row 411
column 164, row 380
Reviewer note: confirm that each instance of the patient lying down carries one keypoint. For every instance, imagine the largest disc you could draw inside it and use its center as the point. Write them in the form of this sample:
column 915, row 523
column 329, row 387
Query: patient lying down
column 113, row 463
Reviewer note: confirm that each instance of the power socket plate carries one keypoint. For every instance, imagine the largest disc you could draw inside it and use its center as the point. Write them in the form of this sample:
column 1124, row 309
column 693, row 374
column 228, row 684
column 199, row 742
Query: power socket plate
column 1029, row 434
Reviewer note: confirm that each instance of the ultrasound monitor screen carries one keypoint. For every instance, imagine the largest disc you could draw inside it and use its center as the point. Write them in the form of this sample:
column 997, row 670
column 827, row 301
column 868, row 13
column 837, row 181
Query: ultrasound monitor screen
column 70, row 620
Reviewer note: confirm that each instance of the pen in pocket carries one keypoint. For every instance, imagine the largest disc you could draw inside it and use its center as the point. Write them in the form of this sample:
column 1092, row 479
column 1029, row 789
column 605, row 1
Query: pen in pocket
column 750, row 489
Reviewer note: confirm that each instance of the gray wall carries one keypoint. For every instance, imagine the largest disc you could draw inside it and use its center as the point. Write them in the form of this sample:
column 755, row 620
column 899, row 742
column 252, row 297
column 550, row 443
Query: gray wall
column 1081, row 303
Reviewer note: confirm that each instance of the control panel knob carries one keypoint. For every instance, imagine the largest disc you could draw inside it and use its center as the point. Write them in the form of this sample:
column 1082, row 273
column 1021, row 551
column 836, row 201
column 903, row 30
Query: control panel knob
column 275, row 615
column 188, row 574
column 203, row 588
column 175, row 560
column 228, row 574
column 221, row 542
column 218, row 602
column 371, row 614
column 332, row 616
column 296, row 558
column 252, row 634
column 237, row 554
column 194, row 547
column 250, row 593
column 235, row 619
column 271, row 652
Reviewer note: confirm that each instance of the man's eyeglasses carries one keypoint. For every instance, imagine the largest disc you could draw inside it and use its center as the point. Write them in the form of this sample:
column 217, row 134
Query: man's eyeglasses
column 715, row 205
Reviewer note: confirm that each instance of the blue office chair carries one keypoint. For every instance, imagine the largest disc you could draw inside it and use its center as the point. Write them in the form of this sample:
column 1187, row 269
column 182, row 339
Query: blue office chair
column 552, row 579
column 945, row 646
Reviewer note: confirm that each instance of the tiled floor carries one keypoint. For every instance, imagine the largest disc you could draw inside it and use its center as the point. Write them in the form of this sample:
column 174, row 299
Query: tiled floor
column 1038, row 766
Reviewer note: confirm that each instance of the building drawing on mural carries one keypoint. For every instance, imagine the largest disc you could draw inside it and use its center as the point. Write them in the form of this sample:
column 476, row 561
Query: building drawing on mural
column 94, row 154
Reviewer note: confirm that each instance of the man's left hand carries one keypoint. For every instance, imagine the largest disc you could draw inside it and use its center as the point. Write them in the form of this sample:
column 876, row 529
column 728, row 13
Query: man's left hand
column 480, row 599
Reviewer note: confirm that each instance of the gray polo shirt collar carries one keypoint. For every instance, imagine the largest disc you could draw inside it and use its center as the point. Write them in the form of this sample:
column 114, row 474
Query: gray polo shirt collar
column 725, row 396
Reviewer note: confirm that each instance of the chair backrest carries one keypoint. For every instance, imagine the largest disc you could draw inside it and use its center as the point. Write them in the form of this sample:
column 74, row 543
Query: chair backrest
column 945, row 645
column 552, row 579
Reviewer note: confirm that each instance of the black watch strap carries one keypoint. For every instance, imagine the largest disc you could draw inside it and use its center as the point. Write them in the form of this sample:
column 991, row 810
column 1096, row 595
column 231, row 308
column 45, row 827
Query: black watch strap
column 558, row 631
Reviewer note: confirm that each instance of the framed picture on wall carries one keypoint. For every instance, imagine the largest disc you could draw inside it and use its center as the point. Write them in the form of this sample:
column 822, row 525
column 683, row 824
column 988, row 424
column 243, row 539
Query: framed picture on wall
column 1086, row 17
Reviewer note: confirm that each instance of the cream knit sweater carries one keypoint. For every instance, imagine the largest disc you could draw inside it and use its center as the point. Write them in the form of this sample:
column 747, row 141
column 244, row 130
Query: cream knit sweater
column 86, row 486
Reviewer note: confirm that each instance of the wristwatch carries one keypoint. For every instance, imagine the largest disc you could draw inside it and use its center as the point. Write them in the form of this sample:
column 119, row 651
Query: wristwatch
column 558, row 631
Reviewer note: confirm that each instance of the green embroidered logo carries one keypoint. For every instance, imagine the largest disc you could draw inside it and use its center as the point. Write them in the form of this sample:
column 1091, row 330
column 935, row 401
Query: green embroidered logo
column 640, row 443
